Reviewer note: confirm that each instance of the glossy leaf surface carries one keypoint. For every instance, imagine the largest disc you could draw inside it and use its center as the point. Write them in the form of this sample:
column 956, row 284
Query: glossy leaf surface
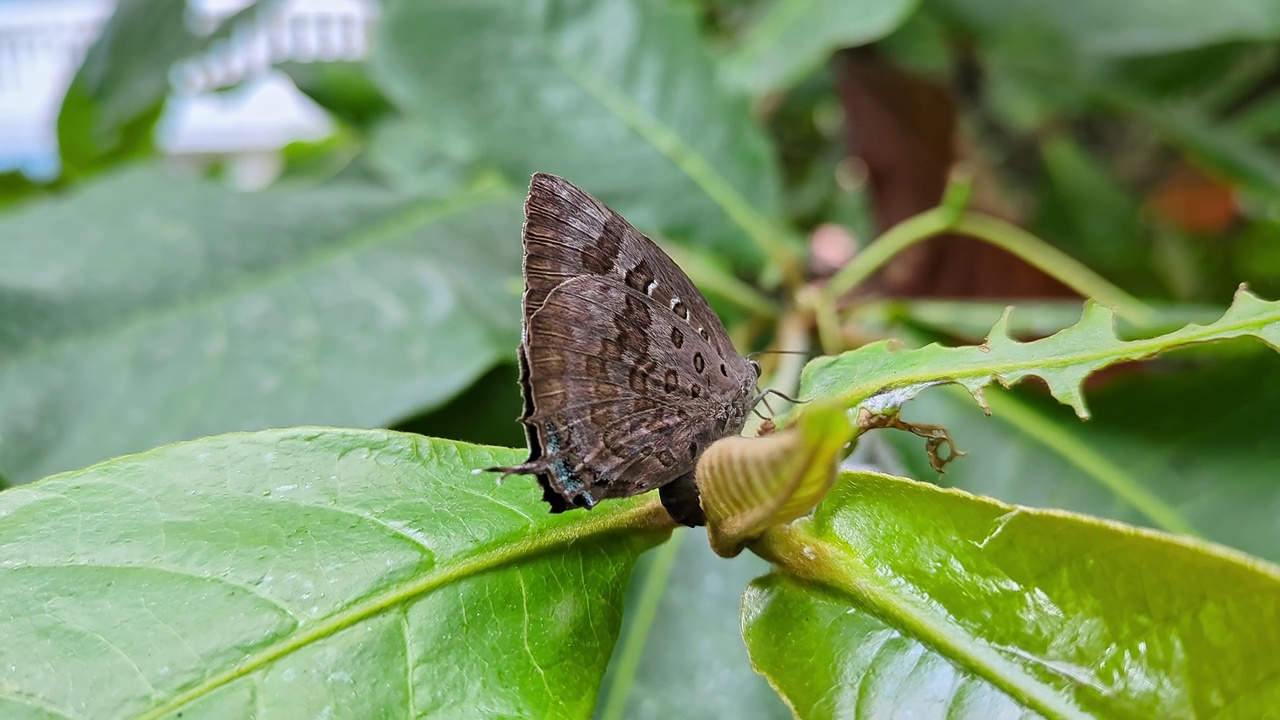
column 902, row 597
column 334, row 573
column 1182, row 445
column 681, row 653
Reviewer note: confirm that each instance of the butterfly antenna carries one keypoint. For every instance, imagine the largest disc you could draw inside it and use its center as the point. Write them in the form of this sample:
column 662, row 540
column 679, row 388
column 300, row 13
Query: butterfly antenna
column 777, row 352
column 784, row 396
column 765, row 399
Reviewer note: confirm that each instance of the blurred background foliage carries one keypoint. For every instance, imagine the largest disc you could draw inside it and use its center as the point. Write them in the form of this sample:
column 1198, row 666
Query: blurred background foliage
column 376, row 282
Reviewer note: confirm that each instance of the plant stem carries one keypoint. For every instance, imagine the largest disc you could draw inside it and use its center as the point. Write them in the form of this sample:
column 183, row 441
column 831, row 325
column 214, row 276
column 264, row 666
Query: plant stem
column 1008, row 236
column 633, row 642
column 792, row 336
column 713, row 279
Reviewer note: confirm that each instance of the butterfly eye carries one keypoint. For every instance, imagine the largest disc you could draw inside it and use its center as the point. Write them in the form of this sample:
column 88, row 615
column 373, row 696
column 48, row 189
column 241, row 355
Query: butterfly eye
column 756, row 366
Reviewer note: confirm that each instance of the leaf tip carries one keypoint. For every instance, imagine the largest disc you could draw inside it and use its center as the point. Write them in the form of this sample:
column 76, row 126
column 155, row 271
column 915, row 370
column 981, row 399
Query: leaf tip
column 999, row 333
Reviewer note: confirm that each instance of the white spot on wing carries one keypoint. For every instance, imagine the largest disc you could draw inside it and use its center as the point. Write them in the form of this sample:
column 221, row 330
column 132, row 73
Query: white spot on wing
column 652, row 286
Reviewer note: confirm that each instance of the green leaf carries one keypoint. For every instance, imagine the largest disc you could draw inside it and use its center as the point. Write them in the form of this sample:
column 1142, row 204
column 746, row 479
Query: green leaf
column 972, row 319
column 409, row 155
column 620, row 97
column 1181, row 445
column 681, row 653
column 116, row 96
column 884, row 378
column 795, row 37
column 345, row 89
column 901, row 597
column 316, row 572
column 146, row 309
column 1102, row 27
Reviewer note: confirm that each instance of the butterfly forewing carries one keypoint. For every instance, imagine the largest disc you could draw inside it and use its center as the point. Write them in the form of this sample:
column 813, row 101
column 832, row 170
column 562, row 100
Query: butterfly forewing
column 627, row 373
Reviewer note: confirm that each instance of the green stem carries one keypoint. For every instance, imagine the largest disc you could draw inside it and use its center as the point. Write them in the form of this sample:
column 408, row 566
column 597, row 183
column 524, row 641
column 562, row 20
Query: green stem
column 714, row 280
column 890, row 243
column 792, row 336
column 825, row 318
column 655, row 584
column 1008, row 236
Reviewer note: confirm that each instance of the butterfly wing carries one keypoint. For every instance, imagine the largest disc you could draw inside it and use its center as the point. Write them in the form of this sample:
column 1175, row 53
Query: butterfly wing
column 569, row 235
column 624, row 393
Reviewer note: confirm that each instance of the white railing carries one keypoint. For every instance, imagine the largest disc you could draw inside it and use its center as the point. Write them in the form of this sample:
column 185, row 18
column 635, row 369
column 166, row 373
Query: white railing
column 284, row 31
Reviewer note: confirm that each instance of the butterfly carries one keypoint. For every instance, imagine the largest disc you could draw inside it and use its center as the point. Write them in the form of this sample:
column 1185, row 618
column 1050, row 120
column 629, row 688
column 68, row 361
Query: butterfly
column 627, row 374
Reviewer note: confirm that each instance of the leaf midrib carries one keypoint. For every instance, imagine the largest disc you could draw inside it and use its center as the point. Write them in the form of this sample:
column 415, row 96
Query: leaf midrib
column 649, row 517
column 389, row 230
column 829, row 567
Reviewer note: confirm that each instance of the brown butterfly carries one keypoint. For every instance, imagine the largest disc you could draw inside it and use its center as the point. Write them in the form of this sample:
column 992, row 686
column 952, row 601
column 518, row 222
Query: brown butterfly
column 626, row 372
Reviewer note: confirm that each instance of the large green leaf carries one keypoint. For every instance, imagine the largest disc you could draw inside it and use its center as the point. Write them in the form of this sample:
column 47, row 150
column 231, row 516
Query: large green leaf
column 620, row 97
column 1185, row 446
column 898, row 597
column 795, row 37
column 681, row 652
column 1105, row 27
column 308, row 572
column 146, row 309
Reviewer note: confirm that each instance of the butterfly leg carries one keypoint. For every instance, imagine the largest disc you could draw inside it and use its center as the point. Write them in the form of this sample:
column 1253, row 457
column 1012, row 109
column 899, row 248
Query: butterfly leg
column 680, row 498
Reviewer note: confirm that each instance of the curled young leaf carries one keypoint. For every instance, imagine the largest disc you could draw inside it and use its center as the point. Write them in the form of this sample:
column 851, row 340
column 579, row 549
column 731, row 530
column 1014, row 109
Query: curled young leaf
column 748, row 485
